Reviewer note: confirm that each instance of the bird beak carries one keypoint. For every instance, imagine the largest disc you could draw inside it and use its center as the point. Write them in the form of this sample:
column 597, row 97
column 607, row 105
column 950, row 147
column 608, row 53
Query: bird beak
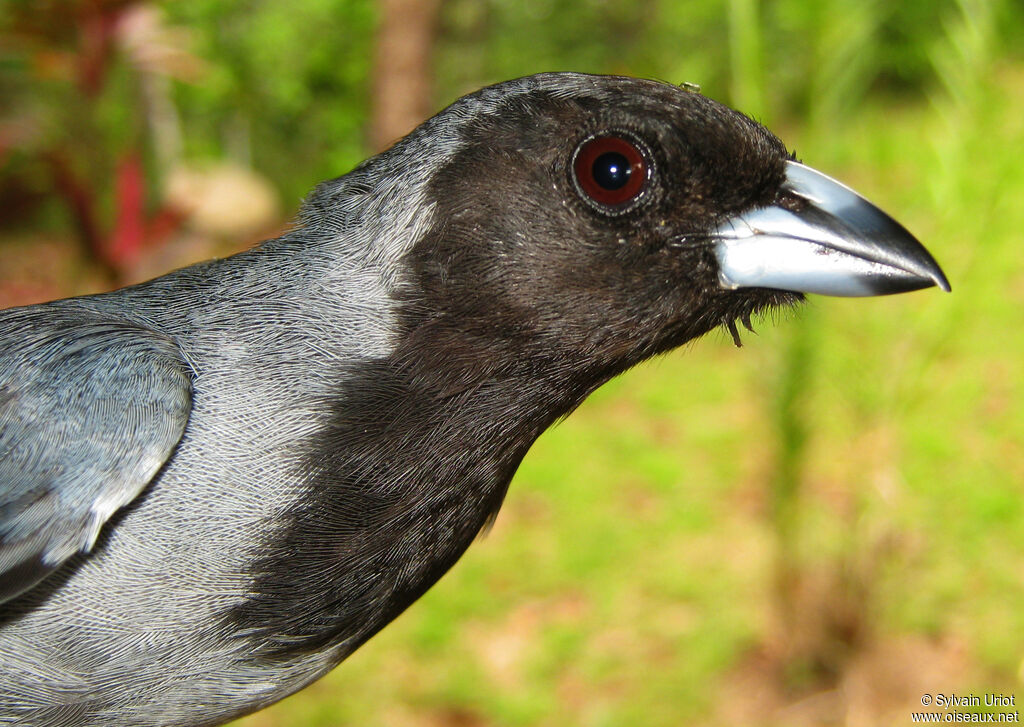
column 830, row 241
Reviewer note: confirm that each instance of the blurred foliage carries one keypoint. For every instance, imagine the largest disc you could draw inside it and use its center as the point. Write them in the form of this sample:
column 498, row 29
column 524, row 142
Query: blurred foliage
column 288, row 88
column 803, row 51
column 280, row 87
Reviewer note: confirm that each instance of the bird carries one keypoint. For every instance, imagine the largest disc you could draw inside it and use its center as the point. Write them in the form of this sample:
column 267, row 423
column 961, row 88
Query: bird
column 217, row 484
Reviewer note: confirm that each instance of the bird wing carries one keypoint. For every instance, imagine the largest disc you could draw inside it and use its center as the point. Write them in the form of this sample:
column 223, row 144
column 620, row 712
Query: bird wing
column 90, row 410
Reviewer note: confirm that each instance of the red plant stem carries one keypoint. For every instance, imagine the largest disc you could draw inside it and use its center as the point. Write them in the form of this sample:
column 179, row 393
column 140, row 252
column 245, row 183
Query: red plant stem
column 81, row 204
column 97, row 27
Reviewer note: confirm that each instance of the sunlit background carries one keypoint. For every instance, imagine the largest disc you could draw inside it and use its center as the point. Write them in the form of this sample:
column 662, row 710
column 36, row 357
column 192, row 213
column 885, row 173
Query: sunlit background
column 817, row 529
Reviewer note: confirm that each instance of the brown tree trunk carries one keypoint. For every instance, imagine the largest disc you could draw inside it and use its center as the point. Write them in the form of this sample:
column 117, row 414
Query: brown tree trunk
column 403, row 73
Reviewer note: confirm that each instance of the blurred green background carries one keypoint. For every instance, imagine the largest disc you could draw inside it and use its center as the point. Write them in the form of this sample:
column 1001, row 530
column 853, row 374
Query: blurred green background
column 817, row 529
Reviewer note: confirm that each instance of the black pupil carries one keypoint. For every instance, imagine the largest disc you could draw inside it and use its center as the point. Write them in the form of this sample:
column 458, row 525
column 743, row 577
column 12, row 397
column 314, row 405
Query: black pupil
column 611, row 170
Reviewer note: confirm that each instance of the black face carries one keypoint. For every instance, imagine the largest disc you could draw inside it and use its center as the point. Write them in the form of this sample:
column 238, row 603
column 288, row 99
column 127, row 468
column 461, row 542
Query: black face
column 575, row 226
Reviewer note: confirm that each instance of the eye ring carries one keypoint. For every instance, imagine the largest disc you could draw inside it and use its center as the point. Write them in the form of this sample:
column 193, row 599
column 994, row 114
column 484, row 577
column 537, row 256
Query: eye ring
column 611, row 171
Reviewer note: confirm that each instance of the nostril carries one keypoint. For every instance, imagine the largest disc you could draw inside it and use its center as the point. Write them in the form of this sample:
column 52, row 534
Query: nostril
column 791, row 202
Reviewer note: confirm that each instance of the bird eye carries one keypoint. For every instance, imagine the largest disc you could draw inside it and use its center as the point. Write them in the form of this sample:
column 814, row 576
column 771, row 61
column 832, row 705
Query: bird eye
column 610, row 170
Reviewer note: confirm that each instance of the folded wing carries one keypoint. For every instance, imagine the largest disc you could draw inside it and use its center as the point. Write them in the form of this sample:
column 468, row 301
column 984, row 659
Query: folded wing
column 90, row 410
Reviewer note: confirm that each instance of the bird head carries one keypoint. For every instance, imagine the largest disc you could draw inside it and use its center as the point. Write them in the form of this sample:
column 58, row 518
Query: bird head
column 591, row 221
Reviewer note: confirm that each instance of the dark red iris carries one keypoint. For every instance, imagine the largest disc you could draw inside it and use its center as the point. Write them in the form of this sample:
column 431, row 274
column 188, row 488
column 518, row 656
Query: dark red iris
column 610, row 170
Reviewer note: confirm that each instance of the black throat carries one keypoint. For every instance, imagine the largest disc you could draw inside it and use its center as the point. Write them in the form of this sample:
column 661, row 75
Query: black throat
column 414, row 461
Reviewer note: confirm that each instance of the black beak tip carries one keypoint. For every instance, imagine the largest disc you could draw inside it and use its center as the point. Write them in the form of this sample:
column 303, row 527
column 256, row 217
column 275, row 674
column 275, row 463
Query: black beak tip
column 932, row 274
column 901, row 283
column 919, row 268
column 919, row 280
